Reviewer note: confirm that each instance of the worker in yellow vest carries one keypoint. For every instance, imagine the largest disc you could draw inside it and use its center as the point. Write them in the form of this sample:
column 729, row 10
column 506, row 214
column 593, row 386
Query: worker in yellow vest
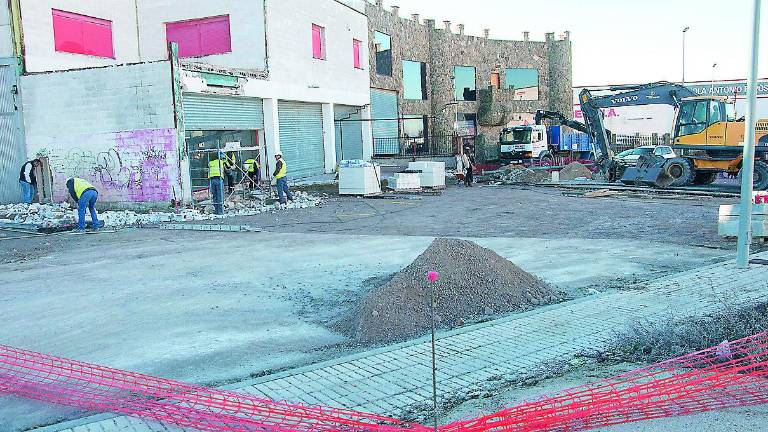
column 252, row 169
column 216, row 181
column 85, row 195
column 281, row 181
column 230, row 167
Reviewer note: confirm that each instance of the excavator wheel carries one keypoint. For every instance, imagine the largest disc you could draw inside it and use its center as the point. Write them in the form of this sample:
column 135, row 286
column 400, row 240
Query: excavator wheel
column 760, row 178
column 704, row 177
column 681, row 170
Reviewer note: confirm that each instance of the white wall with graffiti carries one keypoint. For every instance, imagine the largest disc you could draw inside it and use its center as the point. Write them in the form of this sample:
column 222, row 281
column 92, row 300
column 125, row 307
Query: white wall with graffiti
column 113, row 126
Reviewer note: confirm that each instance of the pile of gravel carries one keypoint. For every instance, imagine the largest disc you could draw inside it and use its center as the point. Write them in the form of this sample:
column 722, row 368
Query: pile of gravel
column 575, row 170
column 515, row 174
column 474, row 282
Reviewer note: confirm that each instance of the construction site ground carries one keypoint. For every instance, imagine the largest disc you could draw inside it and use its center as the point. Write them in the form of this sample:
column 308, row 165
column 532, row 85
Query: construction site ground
column 247, row 309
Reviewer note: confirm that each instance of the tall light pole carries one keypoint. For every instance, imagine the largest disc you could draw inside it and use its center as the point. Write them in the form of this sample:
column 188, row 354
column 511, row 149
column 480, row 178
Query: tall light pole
column 748, row 164
column 685, row 30
column 712, row 80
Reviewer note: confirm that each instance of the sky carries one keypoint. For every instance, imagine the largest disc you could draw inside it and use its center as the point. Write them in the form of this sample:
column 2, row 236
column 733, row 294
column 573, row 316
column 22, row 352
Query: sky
column 620, row 41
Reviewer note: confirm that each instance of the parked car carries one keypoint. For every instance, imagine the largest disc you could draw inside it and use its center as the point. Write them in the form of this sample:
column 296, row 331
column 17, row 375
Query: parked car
column 630, row 157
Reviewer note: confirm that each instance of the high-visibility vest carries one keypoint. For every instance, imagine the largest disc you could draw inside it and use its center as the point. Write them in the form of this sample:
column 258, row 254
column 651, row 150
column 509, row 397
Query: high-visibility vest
column 81, row 186
column 251, row 165
column 215, row 168
column 283, row 170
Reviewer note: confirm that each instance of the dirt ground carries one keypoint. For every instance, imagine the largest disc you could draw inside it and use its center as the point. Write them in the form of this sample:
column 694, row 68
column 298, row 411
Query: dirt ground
column 213, row 308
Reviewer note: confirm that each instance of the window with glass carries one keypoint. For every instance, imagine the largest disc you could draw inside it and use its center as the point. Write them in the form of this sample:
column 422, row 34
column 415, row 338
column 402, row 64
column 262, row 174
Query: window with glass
column 465, row 83
column 495, row 80
column 414, row 80
column 525, row 83
column 318, row 42
column 693, row 117
column 414, row 126
column 383, row 53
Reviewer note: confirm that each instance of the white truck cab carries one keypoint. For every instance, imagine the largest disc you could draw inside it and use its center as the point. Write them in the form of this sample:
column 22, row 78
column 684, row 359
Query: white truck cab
column 519, row 143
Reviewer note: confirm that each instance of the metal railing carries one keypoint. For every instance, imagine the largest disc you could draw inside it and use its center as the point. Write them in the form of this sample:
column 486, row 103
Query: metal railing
column 433, row 145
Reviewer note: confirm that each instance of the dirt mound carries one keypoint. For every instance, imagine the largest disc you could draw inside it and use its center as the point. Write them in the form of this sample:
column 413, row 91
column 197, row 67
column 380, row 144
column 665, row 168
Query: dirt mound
column 515, row 174
column 474, row 282
column 575, row 170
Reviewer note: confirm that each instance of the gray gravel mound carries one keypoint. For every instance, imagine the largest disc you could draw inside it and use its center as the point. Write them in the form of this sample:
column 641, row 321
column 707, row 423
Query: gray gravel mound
column 474, row 282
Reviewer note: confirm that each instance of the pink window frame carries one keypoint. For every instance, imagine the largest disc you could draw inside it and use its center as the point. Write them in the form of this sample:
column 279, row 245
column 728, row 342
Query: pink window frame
column 199, row 21
column 357, row 53
column 83, row 19
column 318, row 42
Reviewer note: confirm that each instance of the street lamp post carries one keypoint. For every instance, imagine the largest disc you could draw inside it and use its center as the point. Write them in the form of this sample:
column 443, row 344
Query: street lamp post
column 685, row 30
column 712, row 80
column 748, row 164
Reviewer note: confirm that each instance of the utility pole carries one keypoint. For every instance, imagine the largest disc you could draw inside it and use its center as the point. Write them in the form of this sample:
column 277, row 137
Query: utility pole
column 433, row 276
column 748, row 164
column 712, row 80
column 685, row 30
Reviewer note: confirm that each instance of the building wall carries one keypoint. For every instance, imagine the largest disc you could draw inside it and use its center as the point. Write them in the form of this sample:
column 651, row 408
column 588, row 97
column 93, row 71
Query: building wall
column 6, row 38
column 442, row 49
column 246, row 27
column 120, row 137
column 39, row 48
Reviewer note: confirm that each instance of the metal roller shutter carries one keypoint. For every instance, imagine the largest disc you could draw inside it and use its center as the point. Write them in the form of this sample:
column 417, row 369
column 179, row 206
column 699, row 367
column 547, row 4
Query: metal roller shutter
column 12, row 150
column 384, row 106
column 301, row 138
column 215, row 112
column 349, row 133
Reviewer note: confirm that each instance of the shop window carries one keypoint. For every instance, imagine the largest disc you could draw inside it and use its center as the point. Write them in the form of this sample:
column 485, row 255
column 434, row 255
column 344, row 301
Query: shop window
column 318, row 42
column 383, row 53
column 356, row 57
column 414, row 80
column 80, row 34
column 466, row 124
column 414, row 126
column 465, row 84
column 525, row 83
column 200, row 37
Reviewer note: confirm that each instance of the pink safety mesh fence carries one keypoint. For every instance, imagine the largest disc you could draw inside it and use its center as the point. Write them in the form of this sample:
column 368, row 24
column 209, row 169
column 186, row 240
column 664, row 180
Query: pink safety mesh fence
column 726, row 376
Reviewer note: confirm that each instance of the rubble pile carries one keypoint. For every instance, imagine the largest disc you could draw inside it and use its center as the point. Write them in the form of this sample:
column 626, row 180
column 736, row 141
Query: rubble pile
column 516, row 174
column 474, row 282
column 575, row 171
column 59, row 215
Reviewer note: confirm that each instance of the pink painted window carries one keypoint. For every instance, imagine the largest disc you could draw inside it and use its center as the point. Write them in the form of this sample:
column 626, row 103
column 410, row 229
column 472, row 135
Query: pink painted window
column 356, row 44
column 200, row 37
column 80, row 34
column 318, row 42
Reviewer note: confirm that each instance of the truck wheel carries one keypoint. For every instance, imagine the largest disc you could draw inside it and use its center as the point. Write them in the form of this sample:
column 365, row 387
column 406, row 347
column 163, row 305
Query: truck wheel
column 546, row 159
column 681, row 170
column 705, row 177
column 760, row 178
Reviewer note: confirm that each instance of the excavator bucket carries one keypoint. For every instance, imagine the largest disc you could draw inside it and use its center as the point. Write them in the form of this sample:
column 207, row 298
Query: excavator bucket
column 649, row 171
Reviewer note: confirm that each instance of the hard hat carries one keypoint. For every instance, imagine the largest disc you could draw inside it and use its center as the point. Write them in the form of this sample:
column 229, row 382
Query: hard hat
column 279, row 153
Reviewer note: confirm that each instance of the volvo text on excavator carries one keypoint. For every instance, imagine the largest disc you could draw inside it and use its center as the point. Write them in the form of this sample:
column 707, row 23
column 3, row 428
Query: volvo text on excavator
column 706, row 136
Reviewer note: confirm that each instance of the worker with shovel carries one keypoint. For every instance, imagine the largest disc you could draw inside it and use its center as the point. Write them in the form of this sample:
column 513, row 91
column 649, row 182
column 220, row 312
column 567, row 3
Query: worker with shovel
column 85, row 195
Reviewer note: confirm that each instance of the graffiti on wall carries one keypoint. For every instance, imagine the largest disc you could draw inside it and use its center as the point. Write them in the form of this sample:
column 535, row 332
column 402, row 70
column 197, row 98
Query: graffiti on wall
column 139, row 166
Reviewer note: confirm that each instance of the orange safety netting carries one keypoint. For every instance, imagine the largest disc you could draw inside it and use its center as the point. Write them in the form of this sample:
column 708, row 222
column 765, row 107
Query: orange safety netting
column 726, row 376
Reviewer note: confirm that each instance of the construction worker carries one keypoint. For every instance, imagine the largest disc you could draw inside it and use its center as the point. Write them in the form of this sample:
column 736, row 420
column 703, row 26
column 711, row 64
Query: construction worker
column 85, row 195
column 231, row 170
column 281, row 181
column 28, row 180
column 252, row 168
column 216, row 181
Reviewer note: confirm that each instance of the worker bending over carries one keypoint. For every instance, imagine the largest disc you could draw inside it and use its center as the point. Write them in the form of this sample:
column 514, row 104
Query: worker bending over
column 85, row 195
column 216, row 181
column 252, row 169
column 281, row 181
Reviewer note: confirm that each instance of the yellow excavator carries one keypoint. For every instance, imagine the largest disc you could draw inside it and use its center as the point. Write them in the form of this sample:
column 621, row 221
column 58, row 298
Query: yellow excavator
column 707, row 137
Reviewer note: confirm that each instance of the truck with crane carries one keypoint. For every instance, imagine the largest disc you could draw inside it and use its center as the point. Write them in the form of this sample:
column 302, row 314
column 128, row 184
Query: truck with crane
column 706, row 136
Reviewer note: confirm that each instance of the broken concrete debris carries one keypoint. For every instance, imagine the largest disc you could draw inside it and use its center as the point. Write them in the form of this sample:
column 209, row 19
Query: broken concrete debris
column 474, row 282
column 60, row 214
column 519, row 174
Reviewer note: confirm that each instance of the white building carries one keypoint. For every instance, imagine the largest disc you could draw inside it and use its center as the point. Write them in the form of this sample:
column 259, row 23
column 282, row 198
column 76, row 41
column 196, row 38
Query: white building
column 102, row 99
column 658, row 119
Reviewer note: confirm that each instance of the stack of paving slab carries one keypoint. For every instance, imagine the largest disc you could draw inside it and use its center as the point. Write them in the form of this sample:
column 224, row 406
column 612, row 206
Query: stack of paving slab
column 431, row 174
column 360, row 179
column 404, row 182
column 728, row 220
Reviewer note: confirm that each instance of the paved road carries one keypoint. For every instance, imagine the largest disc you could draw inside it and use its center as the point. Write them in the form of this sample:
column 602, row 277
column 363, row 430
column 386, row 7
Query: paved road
column 396, row 380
